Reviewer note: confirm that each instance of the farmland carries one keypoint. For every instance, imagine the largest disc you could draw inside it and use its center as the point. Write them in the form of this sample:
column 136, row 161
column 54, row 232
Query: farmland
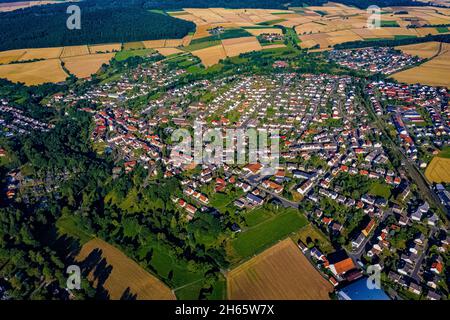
column 260, row 236
column 34, row 72
column 281, row 272
column 122, row 274
column 423, row 50
column 211, row 55
column 84, row 66
column 434, row 72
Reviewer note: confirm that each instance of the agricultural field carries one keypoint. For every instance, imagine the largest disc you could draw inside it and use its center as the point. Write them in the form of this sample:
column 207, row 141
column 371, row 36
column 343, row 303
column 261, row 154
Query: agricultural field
column 11, row 6
column 33, row 73
column 434, row 72
column 41, row 53
column 263, row 234
column 125, row 54
column 85, row 66
column 168, row 51
column 105, row 48
column 134, row 45
column 73, row 51
column 211, row 55
column 11, row 55
column 122, row 274
column 439, row 168
column 281, row 272
column 152, row 44
column 257, row 32
column 234, row 47
column 423, row 50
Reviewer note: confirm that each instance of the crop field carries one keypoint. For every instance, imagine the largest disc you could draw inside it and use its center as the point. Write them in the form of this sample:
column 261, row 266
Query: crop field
column 172, row 43
column 257, row 32
column 234, row 47
column 105, row 48
column 134, row 45
column 85, row 66
column 33, row 73
column 41, row 53
column 281, row 272
column 122, row 273
column 168, row 51
column 73, row 51
column 438, row 170
column 260, row 236
column 434, row 72
column 125, row 54
column 11, row 55
column 211, row 55
column 11, row 6
column 152, row 44
column 424, row 50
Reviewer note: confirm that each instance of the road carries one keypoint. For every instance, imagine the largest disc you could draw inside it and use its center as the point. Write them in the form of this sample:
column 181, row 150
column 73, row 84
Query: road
column 415, row 174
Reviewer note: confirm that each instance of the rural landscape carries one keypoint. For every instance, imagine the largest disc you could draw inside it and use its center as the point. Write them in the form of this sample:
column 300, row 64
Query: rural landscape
column 102, row 197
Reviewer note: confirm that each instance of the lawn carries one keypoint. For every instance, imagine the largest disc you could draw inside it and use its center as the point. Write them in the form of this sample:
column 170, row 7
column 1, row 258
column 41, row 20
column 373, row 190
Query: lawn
column 445, row 152
column 310, row 234
column 380, row 190
column 257, row 216
column 72, row 226
column 262, row 235
column 442, row 29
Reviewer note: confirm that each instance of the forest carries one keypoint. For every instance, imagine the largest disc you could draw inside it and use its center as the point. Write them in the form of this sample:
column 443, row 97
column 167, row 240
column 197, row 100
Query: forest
column 101, row 22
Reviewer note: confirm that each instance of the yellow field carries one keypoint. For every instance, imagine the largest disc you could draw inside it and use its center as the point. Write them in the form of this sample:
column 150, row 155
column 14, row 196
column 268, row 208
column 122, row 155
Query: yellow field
column 85, row 66
column 438, row 170
column 33, row 73
column 73, row 51
column 105, row 48
column 125, row 274
column 423, row 50
column 172, row 43
column 41, row 53
column 234, row 47
column 152, row 44
column 281, row 272
column 434, row 72
column 274, row 46
column 11, row 55
column 210, row 55
column 168, row 51
column 133, row 45
column 257, row 32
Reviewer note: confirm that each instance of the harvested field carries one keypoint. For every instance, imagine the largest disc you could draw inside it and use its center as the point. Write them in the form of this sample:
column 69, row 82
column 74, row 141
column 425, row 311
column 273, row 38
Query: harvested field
column 105, row 48
column 85, row 66
column 281, row 272
column 438, row 170
column 33, row 73
column 11, row 55
column 123, row 274
column 73, row 51
column 234, row 47
column 172, row 43
column 210, row 55
column 257, row 32
column 152, row 44
column 133, row 45
column 41, row 53
column 168, row 51
column 434, row 72
column 423, row 50
column 274, row 46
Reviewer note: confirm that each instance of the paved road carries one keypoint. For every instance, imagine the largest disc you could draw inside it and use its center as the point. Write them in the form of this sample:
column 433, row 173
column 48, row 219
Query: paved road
column 411, row 168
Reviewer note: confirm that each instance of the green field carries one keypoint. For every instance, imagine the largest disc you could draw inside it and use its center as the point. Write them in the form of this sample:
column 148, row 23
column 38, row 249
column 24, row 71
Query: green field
column 72, row 226
column 380, row 190
column 271, row 22
column 257, row 216
column 442, row 29
column 264, row 234
column 388, row 23
column 125, row 54
column 445, row 152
